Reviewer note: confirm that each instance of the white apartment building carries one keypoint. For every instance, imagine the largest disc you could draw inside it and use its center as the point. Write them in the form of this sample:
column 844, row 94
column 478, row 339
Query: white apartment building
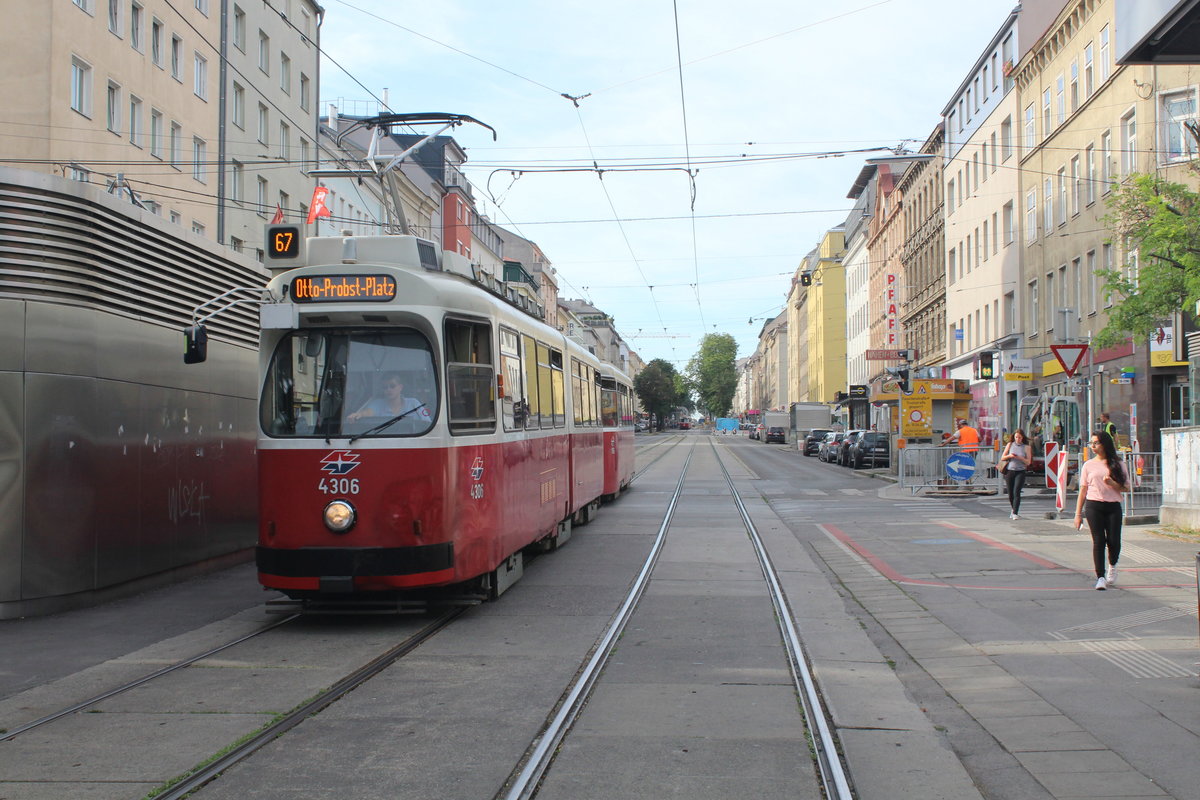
column 134, row 95
column 981, row 188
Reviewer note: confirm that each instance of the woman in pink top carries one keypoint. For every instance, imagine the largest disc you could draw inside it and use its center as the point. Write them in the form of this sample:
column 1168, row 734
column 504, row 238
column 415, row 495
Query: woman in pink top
column 1102, row 479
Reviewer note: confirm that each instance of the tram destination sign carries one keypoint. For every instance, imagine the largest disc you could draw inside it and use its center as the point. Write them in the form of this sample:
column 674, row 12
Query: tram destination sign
column 343, row 288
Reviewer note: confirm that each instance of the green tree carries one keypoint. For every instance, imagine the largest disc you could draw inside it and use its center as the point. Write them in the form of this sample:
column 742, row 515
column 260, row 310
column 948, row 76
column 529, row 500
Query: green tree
column 714, row 374
column 1160, row 221
column 657, row 388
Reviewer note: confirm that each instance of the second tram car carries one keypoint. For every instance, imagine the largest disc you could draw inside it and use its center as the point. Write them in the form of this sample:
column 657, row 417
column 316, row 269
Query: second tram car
column 418, row 429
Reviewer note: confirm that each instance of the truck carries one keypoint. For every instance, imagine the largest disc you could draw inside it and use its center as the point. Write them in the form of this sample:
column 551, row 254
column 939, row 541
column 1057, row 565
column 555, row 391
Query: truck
column 808, row 416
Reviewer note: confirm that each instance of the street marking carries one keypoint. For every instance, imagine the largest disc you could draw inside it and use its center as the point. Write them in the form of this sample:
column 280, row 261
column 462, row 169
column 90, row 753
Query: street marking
column 1144, row 555
column 1130, row 620
column 1136, row 660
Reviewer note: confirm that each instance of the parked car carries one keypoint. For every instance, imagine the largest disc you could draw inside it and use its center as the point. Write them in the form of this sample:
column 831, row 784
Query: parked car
column 755, row 432
column 843, row 453
column 827, row 452
column 775, row 434
column 812, row 442
column 872, row 448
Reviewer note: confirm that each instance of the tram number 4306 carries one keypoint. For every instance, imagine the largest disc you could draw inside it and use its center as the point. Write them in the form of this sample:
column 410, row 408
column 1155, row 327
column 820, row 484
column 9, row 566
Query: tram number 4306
column 338, row 485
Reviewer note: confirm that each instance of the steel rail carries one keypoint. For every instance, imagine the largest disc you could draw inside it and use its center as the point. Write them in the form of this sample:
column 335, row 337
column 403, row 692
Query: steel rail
column 202, row 775
column 538, row 757
column 824, row 743
column 80, row 706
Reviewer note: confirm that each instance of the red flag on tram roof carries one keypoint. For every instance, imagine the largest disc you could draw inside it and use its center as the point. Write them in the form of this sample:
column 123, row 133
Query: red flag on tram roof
column 278, row 218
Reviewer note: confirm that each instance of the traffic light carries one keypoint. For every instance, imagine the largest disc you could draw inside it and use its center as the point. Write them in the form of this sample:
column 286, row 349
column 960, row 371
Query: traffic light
column 902, row 374
column 806, row 278
column 987, row 366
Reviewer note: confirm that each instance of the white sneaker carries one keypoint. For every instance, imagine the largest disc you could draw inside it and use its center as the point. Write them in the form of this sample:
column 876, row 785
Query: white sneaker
column 1111, row 577
column 1101, row 584
column 1016, row 516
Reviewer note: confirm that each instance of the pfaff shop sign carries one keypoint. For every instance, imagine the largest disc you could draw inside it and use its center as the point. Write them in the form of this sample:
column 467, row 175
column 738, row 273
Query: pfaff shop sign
column 891, row 301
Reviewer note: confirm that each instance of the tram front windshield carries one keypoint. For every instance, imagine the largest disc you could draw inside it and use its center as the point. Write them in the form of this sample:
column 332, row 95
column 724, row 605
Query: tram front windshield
column 324, row 383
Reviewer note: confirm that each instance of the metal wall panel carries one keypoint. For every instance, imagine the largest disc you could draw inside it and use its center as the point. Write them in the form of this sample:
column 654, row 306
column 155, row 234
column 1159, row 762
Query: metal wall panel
column 12, row 481
column 12, row 335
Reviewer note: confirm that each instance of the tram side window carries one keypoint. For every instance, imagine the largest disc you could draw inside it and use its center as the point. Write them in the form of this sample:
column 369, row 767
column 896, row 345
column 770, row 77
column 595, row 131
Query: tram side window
column 512, row 402
column 608, row 403
column 533, row 417
column 558, row 384
column 470, row 377
column 546, row 386
column 577, row 390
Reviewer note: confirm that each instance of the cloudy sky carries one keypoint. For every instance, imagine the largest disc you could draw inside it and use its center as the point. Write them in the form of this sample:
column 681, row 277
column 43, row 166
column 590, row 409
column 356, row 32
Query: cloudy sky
column 773, row 99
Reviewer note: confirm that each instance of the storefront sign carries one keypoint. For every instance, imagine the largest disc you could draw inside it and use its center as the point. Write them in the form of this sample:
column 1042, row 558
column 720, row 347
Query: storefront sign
column 1162, row 348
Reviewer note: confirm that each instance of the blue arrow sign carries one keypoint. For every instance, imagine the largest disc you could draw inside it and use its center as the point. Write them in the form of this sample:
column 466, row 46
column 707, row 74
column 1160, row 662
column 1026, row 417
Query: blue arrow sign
column 960, row 467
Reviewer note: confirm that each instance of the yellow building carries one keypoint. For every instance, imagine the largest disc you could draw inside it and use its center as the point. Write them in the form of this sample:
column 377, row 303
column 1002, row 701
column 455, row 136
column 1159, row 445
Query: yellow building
column 825, row 337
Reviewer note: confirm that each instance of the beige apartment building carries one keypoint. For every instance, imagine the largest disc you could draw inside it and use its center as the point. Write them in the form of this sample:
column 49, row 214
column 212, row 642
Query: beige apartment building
column 1087, row 124
column 923, row 315
column 134, row 95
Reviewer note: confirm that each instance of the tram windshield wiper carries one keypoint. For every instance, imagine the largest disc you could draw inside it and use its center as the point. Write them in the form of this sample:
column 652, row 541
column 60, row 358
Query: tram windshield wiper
column 384, row 424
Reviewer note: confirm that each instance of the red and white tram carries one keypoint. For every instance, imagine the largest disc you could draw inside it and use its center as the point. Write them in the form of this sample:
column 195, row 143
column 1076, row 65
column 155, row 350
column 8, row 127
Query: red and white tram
column 418, row 429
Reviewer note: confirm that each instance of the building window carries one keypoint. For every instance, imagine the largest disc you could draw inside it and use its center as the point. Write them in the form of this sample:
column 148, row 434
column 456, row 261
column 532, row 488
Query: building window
column 1106, row 160
column 1035, row 309
column 263, row 190
column 305, row 92
column 285, row 73
column 156, row 42
column 1010, row 226
column 137, row 16
column 1077, row 287
column 1178, row 109
column 156, row 133
column 1092, row 281
column 1048, row 204
column 950, row 196
column 86, row 5
column 1104, row 62
column 135, row 121
column 239, row 105
column 1047, row 119
column 1129, row 142
column 1076, row 185
column 199, row 156
column 1090, row 165
column 1060, row 101
column 174, row 144
column 81, row 86
column 114, row 16
column 197, row 228
column 237, row 177
column 201, row 77
column 1031, row 215
column 263, row 121
column 176, row 58
column 285, row 137
column 1074, row 85
column 1089, row 74
column 239, row 28
column 202, row 7
column 236, row 244
column 176, row 217
column 264, row 52
column 304, row 154
column 1006, row 139
column 285, row 201
column 1062, row 197
column 1006, row 54
column 1106, row 254
column 1030, row 128
column 113, row 117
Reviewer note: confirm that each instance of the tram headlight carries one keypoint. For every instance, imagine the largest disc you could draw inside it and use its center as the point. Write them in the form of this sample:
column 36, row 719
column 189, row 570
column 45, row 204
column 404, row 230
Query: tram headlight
column 340, row 516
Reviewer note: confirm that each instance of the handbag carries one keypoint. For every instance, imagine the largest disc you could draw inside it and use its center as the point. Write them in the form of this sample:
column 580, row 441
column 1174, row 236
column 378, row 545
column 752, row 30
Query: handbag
column 1004, row 468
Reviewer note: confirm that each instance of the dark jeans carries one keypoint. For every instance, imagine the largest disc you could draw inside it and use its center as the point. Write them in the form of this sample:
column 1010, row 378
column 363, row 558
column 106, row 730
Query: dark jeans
column 1104, row 521
column 1015, row 478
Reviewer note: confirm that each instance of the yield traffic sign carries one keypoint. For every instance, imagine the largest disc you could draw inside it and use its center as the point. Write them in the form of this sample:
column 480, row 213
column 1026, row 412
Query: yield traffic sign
column 1070, row 356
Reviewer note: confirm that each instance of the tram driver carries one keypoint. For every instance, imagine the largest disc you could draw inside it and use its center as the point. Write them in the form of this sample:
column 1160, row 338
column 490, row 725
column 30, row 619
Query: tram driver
column 391, row 403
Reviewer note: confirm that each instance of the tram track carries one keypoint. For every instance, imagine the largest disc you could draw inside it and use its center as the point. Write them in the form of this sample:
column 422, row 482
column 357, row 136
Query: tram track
column 74, row 708
column 525, row 780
